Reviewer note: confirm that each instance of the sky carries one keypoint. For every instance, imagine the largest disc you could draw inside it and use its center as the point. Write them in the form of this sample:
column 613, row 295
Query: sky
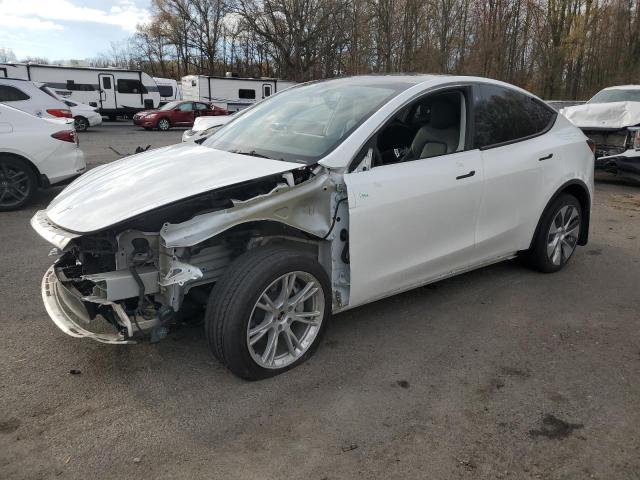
column 68, row 29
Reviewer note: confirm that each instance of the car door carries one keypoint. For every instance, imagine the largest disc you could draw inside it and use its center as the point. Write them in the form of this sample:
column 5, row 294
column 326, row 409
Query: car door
column 509, row 128
column 184, row 114
column 202, row 110
column 411, row 222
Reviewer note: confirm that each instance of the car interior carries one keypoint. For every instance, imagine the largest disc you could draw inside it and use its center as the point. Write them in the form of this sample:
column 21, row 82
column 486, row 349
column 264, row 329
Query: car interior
column 429, row 127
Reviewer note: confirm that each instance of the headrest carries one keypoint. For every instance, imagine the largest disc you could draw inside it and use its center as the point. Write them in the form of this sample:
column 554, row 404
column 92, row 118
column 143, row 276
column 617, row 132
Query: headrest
column 444, row 114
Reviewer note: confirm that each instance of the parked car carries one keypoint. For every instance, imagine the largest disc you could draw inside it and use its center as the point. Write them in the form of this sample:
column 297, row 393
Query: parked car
column 204, row 127
column 175, row 114
column 84, row 116
column 34, row 153
column 26, row 96
column 612, row 120
column 320, row 199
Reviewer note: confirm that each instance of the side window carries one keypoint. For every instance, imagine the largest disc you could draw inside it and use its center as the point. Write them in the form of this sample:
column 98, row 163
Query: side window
column 503, row 115
column 431, row 126
column 246, row 93
column 81, row 87
column 186, row 107
column 130, row 86
column 11, row 94
column 202, row 106
column 106, row 83
column 165, row 90
column 266, row 90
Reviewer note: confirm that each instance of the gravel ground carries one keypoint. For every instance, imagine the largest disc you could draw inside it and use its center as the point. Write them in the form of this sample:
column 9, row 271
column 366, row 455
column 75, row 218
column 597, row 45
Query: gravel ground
column 499, row 373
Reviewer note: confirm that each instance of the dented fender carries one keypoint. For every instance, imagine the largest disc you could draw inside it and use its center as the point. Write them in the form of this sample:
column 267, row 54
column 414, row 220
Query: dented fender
column 306, row 206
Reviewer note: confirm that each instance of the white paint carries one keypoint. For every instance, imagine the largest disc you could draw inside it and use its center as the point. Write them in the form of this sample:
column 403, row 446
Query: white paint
column 128, row 187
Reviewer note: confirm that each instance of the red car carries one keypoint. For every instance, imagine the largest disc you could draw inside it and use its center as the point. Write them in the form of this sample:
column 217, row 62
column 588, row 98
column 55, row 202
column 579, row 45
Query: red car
column 176, row 114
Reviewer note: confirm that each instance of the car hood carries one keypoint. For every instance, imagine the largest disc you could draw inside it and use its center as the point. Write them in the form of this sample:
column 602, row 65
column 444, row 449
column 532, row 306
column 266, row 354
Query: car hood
column 112, row 193
column 202, row 123
column 604, row 115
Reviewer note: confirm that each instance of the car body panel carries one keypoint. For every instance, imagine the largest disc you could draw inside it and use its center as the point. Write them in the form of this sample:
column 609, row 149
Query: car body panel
column 139, row 183
column 30, row 137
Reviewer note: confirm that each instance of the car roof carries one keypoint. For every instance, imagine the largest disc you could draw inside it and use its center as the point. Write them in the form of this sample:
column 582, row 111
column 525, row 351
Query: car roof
column 623, row 87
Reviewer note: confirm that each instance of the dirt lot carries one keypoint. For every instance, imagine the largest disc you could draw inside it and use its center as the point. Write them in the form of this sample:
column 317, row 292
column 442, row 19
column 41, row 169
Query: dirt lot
column 500, row 373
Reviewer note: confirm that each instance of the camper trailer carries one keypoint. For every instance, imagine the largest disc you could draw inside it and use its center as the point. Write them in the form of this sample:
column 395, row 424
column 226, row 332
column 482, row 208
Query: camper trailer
column 169, row 89
column 113, row 91
column 232, row 93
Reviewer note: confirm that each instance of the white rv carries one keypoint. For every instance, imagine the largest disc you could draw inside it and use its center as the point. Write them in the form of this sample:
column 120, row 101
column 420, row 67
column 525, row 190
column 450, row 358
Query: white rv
column 169, row 89
column 113, row 91
column 232, row 93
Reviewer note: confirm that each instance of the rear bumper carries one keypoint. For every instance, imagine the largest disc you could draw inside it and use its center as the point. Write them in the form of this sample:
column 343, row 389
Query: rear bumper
column 64, row 165
column 626, row 164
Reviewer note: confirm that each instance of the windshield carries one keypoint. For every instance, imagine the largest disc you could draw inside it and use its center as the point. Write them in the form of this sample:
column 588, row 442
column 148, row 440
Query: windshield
column 303, row 124
column 616, row 95
column 169, row 106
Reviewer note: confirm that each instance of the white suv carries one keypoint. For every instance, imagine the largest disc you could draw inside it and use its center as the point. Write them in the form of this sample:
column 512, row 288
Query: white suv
column 34, row 152
column 26, row 96
column 319, row 199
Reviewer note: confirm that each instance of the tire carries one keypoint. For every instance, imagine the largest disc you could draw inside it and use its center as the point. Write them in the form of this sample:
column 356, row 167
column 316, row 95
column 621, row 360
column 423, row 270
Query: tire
column 233, row 313
column 81, row 124
column 557, row 235
column 18, row 182
column 164, row 124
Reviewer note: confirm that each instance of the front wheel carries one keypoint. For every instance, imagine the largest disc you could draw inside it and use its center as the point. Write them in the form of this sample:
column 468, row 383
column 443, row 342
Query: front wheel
column 269, row 312
column 557, row 236
column 81, row 124
column 164, row 124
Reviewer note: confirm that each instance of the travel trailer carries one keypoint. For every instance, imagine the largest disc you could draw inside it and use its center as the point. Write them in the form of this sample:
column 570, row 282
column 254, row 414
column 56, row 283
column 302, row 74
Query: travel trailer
column 169, row 89
column 113, row 91
column 232, row 93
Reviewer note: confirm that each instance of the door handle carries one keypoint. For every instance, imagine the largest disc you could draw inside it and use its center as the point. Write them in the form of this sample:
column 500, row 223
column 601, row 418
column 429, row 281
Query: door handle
column 546, row 157
column 470, row 174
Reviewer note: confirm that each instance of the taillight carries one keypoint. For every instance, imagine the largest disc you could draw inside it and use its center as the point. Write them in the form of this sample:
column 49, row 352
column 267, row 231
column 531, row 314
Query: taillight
column 592, row 145
column 66, row 136
column 60, row 112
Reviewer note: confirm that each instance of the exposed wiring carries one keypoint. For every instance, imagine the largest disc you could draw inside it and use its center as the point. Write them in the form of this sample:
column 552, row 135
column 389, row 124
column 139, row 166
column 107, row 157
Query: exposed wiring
column 335, row 215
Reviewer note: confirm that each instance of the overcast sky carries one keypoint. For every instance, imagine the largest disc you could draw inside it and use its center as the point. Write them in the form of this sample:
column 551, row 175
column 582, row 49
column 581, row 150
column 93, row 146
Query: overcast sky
column 68, row 29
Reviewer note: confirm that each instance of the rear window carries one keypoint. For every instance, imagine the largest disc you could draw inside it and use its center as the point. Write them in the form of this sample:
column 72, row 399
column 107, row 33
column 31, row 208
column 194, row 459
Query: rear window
column 503, row 115
column 12, row 94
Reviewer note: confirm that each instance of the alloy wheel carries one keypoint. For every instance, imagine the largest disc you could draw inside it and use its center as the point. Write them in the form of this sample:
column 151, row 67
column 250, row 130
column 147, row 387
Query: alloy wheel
column 15, row 185
column 285, row 320
column 562, row 237
column 163, row 124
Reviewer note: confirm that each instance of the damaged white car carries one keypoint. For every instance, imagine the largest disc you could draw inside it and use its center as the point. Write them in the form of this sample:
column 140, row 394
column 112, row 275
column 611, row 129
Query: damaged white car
column 612, row 120
column 321, row 198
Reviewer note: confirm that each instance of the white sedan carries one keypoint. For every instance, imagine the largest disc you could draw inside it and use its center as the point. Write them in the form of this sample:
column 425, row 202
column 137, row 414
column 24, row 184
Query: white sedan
column 84, row 116
column 325, row 197
column 204, row 127
column 34, row 152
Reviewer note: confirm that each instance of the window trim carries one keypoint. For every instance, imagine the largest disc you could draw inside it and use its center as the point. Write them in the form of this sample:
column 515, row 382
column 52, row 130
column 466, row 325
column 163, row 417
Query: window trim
column 464, row 88
column 549, row 126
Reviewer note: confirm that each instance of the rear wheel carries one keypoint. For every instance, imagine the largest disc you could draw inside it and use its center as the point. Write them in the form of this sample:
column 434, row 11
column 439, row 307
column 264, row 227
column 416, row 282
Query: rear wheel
column 164, row 124
column 17, row 183
column 557, row 236
column 81, row 124
column 269, row 312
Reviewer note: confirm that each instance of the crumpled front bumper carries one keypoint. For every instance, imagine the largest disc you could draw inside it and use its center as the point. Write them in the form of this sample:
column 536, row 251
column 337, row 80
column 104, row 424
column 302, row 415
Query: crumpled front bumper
column 66, row 308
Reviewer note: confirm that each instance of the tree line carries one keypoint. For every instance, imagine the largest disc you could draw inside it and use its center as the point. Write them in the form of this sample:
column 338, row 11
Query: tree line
column 559, row 49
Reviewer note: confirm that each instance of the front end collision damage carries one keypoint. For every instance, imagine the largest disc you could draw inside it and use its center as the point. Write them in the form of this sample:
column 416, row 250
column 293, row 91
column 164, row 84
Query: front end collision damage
column 135, row 280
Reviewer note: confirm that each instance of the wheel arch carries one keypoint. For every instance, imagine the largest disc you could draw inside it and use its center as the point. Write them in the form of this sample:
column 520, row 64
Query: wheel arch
column 580, row 191
column 41, row 179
